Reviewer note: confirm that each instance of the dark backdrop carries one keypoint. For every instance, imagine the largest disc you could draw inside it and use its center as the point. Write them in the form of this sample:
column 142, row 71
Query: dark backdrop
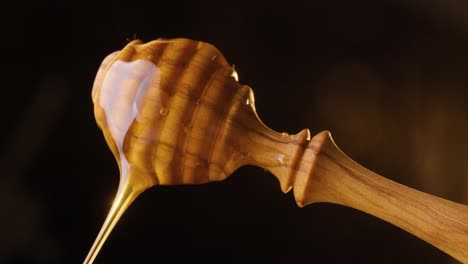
column 388, row 78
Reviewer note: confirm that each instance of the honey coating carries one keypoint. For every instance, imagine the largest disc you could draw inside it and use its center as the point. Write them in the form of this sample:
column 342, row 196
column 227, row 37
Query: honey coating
column 172, row 112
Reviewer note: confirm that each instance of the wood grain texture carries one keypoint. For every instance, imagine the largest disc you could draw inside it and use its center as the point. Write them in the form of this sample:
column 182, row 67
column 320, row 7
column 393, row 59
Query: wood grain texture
column 326, row 174
column 199, row 124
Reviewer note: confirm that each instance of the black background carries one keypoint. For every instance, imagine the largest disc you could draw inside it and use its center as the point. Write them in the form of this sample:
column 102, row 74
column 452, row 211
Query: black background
column 388, row 78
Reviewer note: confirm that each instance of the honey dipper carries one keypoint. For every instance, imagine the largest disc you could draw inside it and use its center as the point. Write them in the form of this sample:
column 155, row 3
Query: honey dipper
column 173, row 112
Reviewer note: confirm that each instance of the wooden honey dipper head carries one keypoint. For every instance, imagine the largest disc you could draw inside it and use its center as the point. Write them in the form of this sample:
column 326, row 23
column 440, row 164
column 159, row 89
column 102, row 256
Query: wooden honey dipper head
column 173, row 112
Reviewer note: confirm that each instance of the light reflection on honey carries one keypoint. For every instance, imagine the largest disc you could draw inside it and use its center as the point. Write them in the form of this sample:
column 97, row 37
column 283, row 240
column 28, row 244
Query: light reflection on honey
column 120, row 96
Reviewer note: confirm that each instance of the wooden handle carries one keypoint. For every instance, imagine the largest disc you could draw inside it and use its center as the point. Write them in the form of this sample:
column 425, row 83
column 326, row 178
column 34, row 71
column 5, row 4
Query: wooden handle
column 321, row 172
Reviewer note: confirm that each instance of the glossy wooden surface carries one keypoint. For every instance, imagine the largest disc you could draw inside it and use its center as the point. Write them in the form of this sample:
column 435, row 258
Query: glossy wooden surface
column 195, row 123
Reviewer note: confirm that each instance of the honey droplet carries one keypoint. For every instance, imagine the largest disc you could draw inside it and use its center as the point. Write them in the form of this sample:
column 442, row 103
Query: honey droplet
column 164, row 111
column 234, row 74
